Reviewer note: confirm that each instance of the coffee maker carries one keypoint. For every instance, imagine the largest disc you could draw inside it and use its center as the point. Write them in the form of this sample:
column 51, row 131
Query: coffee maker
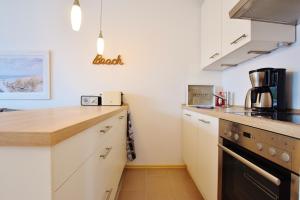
column 268, row 90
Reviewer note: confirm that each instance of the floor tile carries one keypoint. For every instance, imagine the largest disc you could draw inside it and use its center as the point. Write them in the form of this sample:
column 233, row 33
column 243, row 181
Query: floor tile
column 157, row 172
column 134, row 180
column 179, row 174
column 159, row 196
column 132, row 195
column 158, row 184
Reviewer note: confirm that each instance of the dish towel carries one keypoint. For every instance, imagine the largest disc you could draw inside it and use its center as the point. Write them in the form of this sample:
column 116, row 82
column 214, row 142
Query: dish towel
column 131, row 155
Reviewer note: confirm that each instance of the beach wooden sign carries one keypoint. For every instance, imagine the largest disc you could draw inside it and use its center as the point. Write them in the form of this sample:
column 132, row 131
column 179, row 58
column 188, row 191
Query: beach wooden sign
column 100, row 60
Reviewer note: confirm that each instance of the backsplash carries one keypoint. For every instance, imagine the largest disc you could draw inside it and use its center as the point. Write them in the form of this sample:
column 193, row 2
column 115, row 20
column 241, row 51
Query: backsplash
column 237, row 79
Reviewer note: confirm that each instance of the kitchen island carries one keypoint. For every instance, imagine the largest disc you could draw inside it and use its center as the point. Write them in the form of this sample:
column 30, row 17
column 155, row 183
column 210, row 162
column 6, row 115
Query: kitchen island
column 64, row 153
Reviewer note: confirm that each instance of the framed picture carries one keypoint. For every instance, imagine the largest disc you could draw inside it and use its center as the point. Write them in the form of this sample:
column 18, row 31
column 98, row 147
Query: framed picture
column 90, row 100
column 24, row 75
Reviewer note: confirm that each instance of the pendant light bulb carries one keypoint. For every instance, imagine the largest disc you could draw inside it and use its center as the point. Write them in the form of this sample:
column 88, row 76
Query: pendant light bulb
column 100, row 44
column 76, row 16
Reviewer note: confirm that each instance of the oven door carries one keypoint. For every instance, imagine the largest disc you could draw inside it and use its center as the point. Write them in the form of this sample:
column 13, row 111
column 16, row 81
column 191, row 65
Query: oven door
column 247, row 176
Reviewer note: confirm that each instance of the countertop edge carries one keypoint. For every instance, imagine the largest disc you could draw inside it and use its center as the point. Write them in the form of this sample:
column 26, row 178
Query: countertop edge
column 280, row 127
column 45, row 139
column 70, row 131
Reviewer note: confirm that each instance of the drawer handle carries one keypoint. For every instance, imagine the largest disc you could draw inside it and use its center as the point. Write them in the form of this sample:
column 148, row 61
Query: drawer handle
column 104, row 131
column 204, row 121
column 238, row 39
column 188, row 115
column 121, row 117
column 108, row 194
column 213, row 56
column 108, row 150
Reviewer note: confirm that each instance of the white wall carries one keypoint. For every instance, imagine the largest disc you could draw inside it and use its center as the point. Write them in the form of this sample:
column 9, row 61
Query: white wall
column 237, row 79
column 160, row 44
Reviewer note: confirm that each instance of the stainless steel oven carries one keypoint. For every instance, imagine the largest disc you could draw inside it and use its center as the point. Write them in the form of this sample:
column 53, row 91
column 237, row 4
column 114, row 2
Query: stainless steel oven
column 255, row 164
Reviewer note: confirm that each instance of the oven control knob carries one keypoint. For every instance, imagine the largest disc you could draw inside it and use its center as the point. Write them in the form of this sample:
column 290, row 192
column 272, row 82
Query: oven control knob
column 229, row 134
column 272, row 151
column 236, row 137
column 259, row 146
column 285, row 157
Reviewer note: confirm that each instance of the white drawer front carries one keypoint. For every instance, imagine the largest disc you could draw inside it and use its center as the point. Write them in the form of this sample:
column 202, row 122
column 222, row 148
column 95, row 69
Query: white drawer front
column 88, row 183
column 119, row 156
column 188, row 113
column 98, row 177
column 70, row 154
column 207, row 122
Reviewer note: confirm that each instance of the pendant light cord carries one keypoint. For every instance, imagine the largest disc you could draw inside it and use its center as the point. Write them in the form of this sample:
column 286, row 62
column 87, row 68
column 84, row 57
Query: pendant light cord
column 101, row 15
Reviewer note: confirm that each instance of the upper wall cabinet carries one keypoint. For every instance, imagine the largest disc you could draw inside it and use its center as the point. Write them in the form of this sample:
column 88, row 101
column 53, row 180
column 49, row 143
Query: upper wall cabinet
column 235, row 32
column 211, row 29
column 239, row 40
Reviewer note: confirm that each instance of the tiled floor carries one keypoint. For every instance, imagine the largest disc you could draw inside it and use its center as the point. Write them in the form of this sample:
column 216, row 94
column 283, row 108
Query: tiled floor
column 158, row 184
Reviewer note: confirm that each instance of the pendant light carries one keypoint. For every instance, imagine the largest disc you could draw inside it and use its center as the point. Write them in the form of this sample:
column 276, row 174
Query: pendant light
column 100, row 40
column 76, row 16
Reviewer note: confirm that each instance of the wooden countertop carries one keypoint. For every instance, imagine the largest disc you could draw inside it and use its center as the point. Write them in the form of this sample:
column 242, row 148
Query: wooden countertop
column 281, row 127
column 46, row 127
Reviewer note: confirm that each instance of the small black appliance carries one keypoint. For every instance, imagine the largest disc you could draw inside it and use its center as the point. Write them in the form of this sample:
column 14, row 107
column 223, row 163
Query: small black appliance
column 268, row 89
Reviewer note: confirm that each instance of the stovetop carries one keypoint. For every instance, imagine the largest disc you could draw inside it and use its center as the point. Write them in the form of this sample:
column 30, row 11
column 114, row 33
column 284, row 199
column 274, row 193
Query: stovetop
column 280, row 116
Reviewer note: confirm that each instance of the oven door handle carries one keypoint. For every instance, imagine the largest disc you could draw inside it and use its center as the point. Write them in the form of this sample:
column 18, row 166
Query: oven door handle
column 252, row 166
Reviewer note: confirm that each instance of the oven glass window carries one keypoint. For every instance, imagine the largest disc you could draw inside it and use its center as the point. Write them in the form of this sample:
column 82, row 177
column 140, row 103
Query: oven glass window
column 239, row 182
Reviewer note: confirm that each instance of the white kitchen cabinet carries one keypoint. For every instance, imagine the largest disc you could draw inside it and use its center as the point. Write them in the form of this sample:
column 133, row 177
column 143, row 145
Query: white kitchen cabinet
column 241, row 40
column 189, row 131
column 207, row 179
column 243, row 46
column 235, row 32
column 89, row 182
column 97, row 177
column 118, row 154
column 186, row 132
column 71, row 169
column 200, row 151
column 79, row 148
column 211, row 32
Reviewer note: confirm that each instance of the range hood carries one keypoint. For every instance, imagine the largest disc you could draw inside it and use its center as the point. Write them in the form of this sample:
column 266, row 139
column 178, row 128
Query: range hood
column 275, row 11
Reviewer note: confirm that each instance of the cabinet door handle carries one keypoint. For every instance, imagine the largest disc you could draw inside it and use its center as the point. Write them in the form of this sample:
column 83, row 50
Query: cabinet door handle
column 108, row 150
column 214, row 55
column 108, row 194
column 204, row 121
column 238, row 39
column 229, row 65
column 188, row 115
